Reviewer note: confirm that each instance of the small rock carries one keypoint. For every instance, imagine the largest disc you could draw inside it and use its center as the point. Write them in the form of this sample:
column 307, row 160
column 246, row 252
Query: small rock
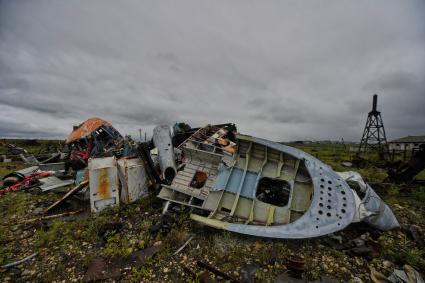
column 158, row 243
column 387, row 264
column 38, row 210
column 248, row 273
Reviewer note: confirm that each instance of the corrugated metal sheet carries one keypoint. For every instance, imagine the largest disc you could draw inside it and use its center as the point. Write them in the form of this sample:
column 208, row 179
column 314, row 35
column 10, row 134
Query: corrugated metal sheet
column 103, row 178
column 134, row 181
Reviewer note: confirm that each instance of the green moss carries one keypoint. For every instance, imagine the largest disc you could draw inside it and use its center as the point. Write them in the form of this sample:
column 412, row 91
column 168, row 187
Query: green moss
column 419, row 195
column 59, row 233
column 118, row 245
column 402, row 250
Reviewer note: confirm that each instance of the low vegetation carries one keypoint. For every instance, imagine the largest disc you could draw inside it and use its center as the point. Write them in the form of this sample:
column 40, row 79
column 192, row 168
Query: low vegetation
column 66, row 246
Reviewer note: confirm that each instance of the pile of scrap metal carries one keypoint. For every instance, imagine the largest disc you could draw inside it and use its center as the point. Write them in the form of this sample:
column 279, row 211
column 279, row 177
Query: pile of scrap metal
column 45, row 177
column 233, row 182
column 93, row 138
column 258, row 187
column 105, row 162
column 400, row 172
column 16, row 153
column 96, row 156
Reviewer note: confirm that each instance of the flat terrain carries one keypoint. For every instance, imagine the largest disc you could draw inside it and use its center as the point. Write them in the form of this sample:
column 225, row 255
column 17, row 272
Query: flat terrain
column 66, row 246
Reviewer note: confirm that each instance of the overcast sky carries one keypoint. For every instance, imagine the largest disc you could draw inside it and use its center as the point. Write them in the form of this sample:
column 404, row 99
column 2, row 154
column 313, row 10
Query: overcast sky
column 281, row 70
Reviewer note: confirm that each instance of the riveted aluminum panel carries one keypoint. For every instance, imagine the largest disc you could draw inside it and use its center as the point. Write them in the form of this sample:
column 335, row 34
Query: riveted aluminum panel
column 332, row 206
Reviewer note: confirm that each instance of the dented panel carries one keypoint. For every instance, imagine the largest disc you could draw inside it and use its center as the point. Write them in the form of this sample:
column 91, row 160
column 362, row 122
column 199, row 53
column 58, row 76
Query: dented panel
column 133, row 178
column 314, row 200
column 103, row 178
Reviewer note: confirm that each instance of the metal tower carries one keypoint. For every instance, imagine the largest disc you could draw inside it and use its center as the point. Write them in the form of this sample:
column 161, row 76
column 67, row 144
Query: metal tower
column 374, row 138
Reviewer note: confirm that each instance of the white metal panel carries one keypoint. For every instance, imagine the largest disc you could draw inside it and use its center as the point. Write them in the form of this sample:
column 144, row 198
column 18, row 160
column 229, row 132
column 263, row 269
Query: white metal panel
column 103, row 182
column 52, row 182
column 133, row 179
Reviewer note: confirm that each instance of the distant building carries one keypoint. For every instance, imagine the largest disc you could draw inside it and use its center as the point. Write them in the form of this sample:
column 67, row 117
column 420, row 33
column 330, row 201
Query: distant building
column 406, row 143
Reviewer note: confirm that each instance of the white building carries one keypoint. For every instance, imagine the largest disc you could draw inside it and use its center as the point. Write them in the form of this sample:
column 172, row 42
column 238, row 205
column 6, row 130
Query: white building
column 406, row 143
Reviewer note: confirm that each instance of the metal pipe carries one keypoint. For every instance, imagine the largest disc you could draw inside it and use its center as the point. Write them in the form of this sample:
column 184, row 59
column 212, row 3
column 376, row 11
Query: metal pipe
column 163, row 142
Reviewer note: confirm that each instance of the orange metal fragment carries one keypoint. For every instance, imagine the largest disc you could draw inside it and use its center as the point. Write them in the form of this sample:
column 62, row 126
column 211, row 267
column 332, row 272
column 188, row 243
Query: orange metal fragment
column 86, row 128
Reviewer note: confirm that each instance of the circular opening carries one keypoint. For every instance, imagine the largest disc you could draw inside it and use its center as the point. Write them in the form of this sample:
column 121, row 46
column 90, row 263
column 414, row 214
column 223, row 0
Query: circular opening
column 329, row 182
column 169, row 174
column 322, row 186
column 343, row 210
column 344, row 198
column 328, row 214
column 322, row 180
column 329, row 207
column 344, row 205
column 329, row 188
column 321, row 198
column 320, row 212
column 343, row 192
column 321, row 204
column 329, row 194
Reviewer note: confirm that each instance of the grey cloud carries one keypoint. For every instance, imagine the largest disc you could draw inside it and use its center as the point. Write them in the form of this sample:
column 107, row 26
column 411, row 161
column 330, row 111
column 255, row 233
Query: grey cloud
column 280, row 69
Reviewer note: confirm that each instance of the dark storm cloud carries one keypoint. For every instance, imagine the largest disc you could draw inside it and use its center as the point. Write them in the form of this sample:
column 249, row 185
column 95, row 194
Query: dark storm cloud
column 279, row 69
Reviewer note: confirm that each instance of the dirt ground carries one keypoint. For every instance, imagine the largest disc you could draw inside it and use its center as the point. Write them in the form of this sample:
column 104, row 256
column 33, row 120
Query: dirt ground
column 67, row 246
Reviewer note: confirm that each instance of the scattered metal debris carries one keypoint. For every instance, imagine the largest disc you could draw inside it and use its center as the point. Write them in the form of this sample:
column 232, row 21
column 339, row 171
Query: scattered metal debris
column 93, row 138
column 69, row 213
column 406, row 172
column 184, row 245
column 18, row 181
column 163, row 142
column 216, row 271
column 371, row 208
column 296, row 266
column 133, row 178
column 266, row 189
column 234, row 182
column 29, row 159
column 18, row 262
column 72, row 192
column 52, row 182
column 103, row 179
column 408, row 275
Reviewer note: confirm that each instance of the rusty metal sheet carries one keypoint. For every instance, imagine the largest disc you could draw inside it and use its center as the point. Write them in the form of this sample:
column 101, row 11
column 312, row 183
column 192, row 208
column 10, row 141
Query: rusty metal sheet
column 103, row 179
column 133, row 178
column 86, row 128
